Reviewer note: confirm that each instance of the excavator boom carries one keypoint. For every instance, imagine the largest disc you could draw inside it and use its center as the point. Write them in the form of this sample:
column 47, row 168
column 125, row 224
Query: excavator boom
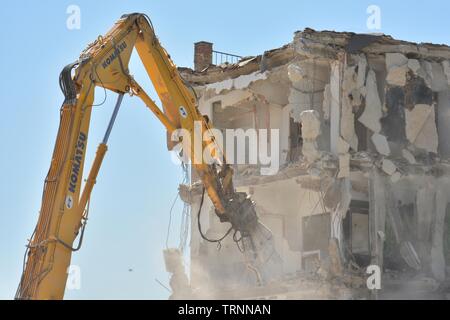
column 64, row 209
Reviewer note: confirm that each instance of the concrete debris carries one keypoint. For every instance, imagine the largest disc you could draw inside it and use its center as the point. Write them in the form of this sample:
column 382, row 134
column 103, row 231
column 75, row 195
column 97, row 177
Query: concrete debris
column 409, row 156
column 381, row 144
column 358, row 91
column 389, row 167
column 397, row 66
column 421, row 127
column 373, row 110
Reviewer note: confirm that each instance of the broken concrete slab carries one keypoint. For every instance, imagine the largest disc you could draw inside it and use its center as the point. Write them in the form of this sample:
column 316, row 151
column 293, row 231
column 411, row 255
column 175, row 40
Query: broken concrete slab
column 395, row 60
column 373, row 109
column 388, row 167
column 397, row 76
column 421, row 127
column 381, row 144
column 408, row 156
column 397, row 67
column 244, row 81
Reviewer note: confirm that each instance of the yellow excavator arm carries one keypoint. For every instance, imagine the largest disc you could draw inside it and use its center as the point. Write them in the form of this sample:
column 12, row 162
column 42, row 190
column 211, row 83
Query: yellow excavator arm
column 64, row 208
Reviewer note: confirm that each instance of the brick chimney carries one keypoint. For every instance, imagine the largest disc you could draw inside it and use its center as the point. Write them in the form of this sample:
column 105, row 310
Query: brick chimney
column 202, row 55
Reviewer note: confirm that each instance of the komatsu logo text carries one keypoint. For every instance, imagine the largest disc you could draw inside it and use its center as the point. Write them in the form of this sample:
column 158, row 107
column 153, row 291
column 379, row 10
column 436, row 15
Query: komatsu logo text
column 77, row 159
column 118, row 50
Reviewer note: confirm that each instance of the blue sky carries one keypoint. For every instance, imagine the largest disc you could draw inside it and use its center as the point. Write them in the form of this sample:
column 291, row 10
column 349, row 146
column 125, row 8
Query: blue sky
column 137, row 183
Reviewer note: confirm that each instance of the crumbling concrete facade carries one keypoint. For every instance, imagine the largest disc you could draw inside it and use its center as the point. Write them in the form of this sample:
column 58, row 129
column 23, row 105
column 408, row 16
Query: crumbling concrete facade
column 364, row 145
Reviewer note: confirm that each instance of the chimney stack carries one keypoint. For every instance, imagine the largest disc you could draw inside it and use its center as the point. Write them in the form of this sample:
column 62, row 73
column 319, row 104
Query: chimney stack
column 202, row 55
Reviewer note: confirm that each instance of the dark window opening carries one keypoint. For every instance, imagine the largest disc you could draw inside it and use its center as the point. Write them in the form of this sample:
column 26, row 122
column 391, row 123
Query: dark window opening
column 361, row 131
column 295, row 140
column 356, row 233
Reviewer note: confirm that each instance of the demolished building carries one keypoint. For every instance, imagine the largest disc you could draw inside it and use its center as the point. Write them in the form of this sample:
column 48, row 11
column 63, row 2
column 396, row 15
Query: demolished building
column 364, row 177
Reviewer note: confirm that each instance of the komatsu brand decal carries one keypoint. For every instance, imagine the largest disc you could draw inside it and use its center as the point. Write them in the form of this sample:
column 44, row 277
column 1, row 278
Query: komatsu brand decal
column 183, row 112
column 78, row 158
column 69, row 202
column 118, row 50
